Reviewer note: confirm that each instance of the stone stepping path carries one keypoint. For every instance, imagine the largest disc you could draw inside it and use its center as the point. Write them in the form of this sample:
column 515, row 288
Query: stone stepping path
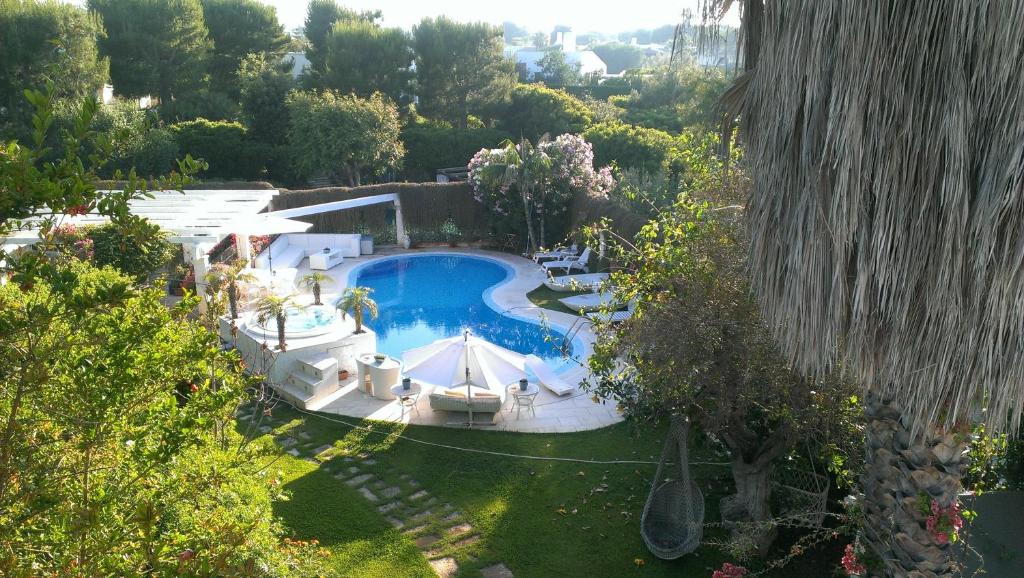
column 439, row 531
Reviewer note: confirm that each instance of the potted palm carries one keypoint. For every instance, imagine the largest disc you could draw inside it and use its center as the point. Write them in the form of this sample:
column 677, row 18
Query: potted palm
column 275, row 307
column 314, row 281
column 357, row 300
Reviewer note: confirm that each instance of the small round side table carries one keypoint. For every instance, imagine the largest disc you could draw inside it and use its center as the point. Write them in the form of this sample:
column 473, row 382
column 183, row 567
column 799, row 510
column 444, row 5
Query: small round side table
column 407, row 398
column 523, row 397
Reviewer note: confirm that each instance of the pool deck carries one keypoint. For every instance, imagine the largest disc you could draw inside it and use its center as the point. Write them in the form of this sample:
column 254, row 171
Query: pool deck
column 577, row 411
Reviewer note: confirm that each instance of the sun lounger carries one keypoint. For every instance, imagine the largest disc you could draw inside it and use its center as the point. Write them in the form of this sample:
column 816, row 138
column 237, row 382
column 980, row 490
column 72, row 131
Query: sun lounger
column 570, row 263
column 547, row 377
column 591, row 301
column 557, row 253
column 584, row 282
column 613, row 316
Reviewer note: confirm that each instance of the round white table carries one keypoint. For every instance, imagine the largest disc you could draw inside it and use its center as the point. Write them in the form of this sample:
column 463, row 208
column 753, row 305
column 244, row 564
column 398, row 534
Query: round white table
column 383, row 374
column 523, row 397
column 407, row 398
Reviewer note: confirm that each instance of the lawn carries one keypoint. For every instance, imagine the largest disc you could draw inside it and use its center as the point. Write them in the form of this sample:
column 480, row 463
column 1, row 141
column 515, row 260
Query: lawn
column 538, row 518
column 548, row 299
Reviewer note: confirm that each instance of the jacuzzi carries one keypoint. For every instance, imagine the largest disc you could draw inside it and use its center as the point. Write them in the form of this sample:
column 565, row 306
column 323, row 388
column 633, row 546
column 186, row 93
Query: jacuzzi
column 309, row 321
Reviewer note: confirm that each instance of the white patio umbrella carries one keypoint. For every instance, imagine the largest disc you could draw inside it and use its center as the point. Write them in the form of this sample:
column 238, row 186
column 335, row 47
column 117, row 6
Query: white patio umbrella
column 261, row 224
column 465, row 359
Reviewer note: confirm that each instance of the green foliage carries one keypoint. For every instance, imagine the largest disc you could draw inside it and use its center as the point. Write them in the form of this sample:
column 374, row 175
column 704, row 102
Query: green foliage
column 264, row 88
column 556, row 72
column 431, row 147
column 238, row 28
column 645, row 149
column 138, row 253
column 223, row 145
column 535, row 110
column 344, row 135
column 321, row 15
column 45, row 40
column 674, row 99
column 460, row 69
column 619, row 57
column 363, row 57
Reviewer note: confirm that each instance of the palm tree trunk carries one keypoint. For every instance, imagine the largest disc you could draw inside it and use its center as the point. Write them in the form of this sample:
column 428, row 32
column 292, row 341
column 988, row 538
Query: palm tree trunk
column 233, row 300
column 357, row 313
column 529, row 221
column 898, row 470
column 280, row 333
column 316, row 294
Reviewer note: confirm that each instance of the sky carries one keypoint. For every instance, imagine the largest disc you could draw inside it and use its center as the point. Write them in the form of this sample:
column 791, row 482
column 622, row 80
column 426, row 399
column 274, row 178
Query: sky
column 536, row 15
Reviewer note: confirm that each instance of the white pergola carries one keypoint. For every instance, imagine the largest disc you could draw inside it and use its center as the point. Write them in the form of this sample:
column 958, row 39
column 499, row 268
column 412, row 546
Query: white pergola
column 191, row 217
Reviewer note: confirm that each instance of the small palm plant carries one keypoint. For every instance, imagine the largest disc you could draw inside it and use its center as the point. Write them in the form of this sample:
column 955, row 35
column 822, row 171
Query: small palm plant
column 275, row 307
column 357, row 300
column 224, row 276
column 314, row 280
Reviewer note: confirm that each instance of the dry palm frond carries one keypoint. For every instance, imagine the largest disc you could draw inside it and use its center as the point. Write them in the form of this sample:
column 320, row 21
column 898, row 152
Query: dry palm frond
column 885, row 141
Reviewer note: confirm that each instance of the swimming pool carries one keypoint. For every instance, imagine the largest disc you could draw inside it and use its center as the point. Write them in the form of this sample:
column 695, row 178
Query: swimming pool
column 423, row 298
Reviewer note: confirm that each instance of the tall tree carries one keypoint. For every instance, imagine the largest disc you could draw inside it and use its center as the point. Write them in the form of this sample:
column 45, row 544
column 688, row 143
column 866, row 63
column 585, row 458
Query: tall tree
column 344, row 135
column 264, row 85
column 238, row 28
column 363, row 58
column 155, row 46
column 460, row 68
column 321, row 15
column 886, row 230
column 45, row 40
column 556, row 71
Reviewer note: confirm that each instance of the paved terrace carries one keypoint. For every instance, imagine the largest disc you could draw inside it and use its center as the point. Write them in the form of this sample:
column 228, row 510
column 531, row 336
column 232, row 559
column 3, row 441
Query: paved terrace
column 576, row 411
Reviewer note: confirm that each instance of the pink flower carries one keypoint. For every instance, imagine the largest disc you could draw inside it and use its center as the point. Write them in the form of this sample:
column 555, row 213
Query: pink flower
column 935, row 507
column 729, row 571
column 942, row 538
column 850, row 562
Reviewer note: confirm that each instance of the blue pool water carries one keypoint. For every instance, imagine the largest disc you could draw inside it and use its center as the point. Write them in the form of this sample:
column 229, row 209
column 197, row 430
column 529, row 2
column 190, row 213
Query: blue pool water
column 423, row 298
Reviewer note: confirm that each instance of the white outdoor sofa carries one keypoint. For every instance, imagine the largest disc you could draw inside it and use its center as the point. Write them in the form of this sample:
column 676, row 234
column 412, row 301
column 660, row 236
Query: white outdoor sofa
column 290, row 249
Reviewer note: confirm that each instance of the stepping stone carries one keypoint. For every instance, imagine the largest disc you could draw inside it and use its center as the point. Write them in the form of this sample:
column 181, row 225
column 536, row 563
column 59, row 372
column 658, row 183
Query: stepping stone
column 391, row 492
column 421, row 515
column 305, row 435
column 288, row 442
column 430, row 502
column 312, row 461
column 265, row 429
column 341, row 475
column 368, row 494
column 498, row 570
column 322, row 449
column 388, row 507
column 412, row 482
column 369, row 462
column 294, row 452
column 445, row 567
column 460, row 529
column 416, row 530
column 419, row 495
column 426, row 541
column 379, row 484
column 359, row 480
column 466, row 541
column 353, row 470
column 244, row 417
column 453, row 516
column 396, row 523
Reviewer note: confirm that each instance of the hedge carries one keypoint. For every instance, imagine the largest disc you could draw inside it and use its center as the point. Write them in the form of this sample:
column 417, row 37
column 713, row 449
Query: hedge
column 646, row 149
column 224, row 146
column 426, row 207
column 428, row 148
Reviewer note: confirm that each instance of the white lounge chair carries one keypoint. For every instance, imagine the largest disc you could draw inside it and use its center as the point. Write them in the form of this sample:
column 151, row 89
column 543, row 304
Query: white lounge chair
column 557, row 253
column 592, row 301
column 547, row 377
column 570, row 263
column 584, row 282
column 613, row 316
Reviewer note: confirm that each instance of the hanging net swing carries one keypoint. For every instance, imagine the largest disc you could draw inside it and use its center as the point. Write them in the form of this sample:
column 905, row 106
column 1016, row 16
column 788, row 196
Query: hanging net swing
column 673, row 519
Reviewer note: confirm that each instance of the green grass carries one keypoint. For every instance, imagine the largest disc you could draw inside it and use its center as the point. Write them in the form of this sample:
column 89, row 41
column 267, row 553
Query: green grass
column 540, row 518
column 548, row 299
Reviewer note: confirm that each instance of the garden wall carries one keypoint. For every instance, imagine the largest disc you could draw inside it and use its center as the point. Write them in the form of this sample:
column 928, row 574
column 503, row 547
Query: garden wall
column 426, row 207
column 587, row 209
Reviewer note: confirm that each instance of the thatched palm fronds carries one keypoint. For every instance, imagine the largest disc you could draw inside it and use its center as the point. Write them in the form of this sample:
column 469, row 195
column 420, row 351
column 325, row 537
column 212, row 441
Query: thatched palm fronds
column 886, row 145
column 358, row 301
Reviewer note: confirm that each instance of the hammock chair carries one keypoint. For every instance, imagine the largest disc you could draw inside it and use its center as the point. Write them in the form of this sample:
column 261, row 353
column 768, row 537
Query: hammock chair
column 673, row 519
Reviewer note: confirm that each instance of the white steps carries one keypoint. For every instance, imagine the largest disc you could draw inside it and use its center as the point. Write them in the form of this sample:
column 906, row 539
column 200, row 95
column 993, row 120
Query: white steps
column 313, row 378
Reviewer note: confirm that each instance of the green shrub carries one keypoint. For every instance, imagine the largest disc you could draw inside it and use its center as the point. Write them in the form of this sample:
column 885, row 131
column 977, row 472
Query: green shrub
column 535, row 110
column 645, row 149
column 139, row 254
column 223, row 145
column 428, row 148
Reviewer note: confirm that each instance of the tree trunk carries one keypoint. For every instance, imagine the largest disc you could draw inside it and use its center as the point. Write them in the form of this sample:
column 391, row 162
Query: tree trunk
column 529, row 221
column 357, row 314
column 898, row 470
column 316, row 294
column 748, row 513
column 280, row 333
column 542, row 238
column 233, row 300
